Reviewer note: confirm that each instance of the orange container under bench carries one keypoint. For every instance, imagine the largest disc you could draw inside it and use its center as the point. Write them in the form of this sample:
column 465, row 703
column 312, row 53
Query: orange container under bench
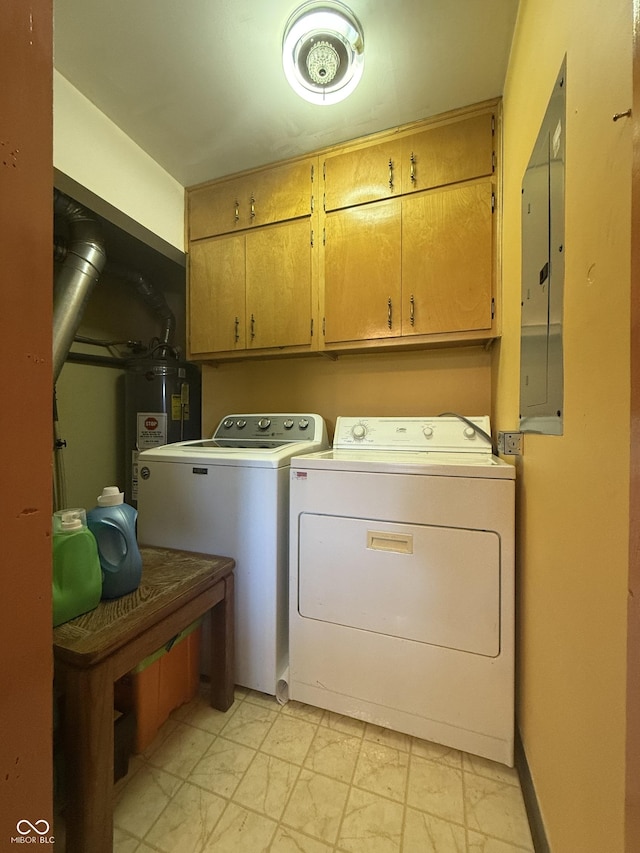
column 160, row 684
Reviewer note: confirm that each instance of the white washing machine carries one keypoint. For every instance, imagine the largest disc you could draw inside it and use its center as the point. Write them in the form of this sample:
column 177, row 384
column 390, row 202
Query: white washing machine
column 229, row 495
column 402, row 580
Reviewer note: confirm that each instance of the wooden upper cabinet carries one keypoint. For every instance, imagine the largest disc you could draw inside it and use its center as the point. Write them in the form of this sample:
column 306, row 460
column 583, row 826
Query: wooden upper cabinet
column 404, row 250
column 279, row 286
column 362, row 273
column 362, row 175
column 252, row 290
column 447, row 260
column 285, row 192
column 276, row 194
column 217, row 295
column 448, row 153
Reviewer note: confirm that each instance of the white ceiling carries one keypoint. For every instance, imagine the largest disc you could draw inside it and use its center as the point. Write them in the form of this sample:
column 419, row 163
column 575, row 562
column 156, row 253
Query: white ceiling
column 198, row 84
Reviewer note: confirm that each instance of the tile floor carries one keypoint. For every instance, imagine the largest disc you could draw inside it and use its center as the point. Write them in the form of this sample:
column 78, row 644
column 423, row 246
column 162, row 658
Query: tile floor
column 296, row 779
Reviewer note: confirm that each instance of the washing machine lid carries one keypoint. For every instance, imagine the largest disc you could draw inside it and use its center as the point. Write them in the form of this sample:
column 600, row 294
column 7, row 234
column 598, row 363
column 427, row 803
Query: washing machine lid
column 438, row 446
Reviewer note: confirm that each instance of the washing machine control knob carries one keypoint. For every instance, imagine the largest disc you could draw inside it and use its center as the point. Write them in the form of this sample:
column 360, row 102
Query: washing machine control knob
column 469, row 432
column 358, row 431
column 427, row 432
column 303, row 423
column 241, row 424
column 264, row 423
column 227, row 423
column 288, row 424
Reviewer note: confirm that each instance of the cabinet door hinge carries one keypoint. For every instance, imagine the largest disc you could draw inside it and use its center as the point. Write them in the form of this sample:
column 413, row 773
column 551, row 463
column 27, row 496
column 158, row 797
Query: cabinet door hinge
column 312, row 327
column 324, row 327
column 493, row 308
column 313, row 201
column 493, row 125
column 313, row 171
column 324, row 202
column 312, row 238
column 493, row 162
column 324, row 236
column 493, row 202
column 324, row 170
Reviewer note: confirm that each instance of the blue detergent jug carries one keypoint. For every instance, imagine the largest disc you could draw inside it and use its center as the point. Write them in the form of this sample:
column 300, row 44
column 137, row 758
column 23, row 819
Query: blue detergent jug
column 113, row 523
column 77, row 579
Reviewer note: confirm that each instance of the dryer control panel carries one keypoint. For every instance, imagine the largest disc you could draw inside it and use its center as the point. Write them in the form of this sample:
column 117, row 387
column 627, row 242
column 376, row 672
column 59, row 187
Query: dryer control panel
column 444, row 434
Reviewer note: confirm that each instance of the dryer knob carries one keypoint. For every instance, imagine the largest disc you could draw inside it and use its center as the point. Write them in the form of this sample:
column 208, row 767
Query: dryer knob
column 264, row 423
column 303, row 423
column 469, row 432
column 288, row 424
column 228, row 423
column 427, row 432
column 358, row 431
column 241, row 424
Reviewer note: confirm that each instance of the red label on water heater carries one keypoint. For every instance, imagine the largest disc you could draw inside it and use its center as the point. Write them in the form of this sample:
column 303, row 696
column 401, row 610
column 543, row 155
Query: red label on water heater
column 151, row 423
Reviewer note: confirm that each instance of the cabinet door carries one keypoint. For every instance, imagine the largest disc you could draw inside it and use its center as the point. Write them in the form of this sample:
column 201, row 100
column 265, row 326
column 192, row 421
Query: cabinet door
column 217, row 295
column 362, row 272
column 447, row 252
column 363, row 175
column 448, row 153
column 282, row 192
column 270, row 195
column 279, row 292
column 219, row 208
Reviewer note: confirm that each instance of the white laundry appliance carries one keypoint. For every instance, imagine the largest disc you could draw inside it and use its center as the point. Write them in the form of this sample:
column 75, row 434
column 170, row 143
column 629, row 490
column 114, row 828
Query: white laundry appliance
column 229, row 495
column 402, row 580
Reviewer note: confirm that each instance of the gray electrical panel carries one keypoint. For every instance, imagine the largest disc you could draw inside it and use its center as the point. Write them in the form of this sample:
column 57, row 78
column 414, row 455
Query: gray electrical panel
column 543, row 248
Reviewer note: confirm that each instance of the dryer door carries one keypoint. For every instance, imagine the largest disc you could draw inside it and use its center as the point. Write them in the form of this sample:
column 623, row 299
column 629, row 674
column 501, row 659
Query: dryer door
column 435, row 585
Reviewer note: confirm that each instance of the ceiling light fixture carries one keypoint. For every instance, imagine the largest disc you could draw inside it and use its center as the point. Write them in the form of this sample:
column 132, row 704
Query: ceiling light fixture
column 323, row 51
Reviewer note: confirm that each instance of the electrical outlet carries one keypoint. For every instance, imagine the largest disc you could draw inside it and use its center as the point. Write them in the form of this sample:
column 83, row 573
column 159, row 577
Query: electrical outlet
column 510, row 443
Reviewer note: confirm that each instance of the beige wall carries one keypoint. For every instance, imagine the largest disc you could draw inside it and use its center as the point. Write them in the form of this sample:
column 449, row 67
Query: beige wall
column 573, row 490
column 89, row 148
column 413, row 383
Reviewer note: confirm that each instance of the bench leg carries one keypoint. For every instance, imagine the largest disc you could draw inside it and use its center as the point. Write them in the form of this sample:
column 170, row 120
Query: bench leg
column 222, row 649
column 89, row 759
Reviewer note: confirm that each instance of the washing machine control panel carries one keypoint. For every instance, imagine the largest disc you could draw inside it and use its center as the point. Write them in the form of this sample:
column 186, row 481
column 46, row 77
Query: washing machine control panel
column 446, row 434
column 267, row 430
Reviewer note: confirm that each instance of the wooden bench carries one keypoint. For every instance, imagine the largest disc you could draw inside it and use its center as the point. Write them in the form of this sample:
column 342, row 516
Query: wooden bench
column 96, row 649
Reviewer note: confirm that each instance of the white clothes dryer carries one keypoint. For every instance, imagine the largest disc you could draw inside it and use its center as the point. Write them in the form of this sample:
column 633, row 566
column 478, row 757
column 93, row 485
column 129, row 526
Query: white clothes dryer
column 402, row 580
column 229, row 495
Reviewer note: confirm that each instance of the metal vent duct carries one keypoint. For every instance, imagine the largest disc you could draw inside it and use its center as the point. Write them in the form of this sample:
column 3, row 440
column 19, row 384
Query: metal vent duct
column 82, row 266
column 153, row 297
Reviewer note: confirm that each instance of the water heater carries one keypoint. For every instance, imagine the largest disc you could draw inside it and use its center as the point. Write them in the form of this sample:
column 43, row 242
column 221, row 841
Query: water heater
column 162, row 405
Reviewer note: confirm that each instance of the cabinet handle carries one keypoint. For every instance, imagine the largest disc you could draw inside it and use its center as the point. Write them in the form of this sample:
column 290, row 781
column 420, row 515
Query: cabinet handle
column 253, row 327
column 389, row 313
column 413, row 168
column 412, row 311
column 237, row 216
column 253, row 206
column 390, row 173
column 237, row 330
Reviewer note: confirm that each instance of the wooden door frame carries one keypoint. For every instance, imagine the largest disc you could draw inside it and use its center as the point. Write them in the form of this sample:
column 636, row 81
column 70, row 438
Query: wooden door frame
column 632, row 798
column 26, row 238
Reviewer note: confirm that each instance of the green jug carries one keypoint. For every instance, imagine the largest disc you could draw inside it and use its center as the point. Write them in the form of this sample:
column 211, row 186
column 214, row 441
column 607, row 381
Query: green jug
column 77, row 576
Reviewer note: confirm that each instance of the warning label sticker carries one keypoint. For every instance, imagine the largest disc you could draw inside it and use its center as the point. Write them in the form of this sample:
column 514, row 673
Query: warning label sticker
column 179, row 409
column 152, row 430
